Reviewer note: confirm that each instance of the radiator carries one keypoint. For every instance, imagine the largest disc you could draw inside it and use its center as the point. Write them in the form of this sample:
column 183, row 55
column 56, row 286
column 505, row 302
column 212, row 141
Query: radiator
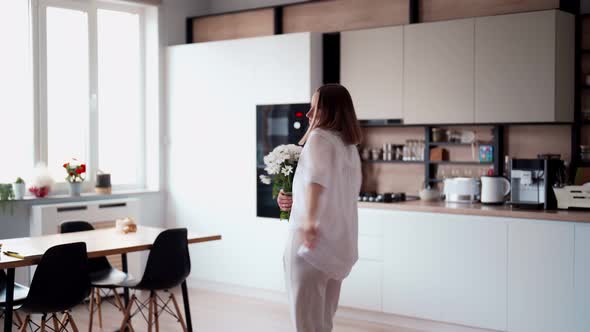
column 45, row 219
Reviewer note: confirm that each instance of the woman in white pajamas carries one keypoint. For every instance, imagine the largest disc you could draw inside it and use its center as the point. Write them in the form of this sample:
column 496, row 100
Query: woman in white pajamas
column 322, row 245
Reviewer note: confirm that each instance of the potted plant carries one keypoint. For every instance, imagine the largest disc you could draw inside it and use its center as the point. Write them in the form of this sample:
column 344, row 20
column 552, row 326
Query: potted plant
column 6, row 194
column 75, row 177
column 19, row 188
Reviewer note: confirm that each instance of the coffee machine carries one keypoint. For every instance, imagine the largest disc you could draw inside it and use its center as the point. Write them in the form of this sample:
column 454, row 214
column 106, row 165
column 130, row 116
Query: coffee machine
column 532, row 182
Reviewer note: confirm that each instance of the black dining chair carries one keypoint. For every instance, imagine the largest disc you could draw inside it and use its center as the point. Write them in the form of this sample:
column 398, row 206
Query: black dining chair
column 20, row 293
column 168, row 266
column 60, row 283
column 102, row 275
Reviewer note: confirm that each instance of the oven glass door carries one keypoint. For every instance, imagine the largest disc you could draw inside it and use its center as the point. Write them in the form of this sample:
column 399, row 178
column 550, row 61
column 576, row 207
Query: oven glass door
column 275, row 125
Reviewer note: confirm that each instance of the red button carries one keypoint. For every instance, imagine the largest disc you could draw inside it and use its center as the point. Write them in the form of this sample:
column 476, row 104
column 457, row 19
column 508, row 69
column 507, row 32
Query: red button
column 299, row 114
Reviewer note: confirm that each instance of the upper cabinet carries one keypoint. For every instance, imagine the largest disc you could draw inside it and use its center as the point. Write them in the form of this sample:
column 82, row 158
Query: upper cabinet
column 371, row 69
column 524, row 67
column 438, row 72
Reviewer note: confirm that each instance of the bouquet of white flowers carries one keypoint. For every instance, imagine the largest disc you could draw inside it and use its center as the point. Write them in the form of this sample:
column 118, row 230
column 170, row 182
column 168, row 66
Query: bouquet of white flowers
column 281, row 164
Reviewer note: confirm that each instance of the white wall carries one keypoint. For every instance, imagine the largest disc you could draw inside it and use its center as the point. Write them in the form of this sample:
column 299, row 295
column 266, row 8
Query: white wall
column 213, row 91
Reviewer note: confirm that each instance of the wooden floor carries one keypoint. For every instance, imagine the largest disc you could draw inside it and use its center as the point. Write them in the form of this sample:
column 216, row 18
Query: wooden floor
column 227, row 313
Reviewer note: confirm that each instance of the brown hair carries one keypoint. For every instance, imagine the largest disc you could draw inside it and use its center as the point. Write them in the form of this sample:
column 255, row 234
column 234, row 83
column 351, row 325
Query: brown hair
column 335, row 111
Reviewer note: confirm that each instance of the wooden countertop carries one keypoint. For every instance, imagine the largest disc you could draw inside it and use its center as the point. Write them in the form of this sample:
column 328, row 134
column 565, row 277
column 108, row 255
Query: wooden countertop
column 505, row 211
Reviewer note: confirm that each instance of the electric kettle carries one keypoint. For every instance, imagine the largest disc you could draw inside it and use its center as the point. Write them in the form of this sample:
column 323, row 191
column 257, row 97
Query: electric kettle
column 494, row 189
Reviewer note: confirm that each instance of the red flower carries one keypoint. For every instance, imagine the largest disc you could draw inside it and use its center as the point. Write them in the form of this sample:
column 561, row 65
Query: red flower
column 71, row 173
column 79, row 170
column 66, row 165
column 83, row 167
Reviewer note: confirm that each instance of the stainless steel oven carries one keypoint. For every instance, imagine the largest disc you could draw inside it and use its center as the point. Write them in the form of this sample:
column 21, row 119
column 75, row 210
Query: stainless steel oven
column 275, row 125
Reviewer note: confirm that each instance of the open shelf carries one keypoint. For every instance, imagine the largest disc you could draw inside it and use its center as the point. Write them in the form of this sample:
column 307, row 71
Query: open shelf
column 450, row 144
column 394, row 161
column 450, row 162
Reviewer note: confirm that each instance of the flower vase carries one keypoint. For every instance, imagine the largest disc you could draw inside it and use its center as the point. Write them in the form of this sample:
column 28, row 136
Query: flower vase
column 19, row 190
column 75, row 188
column 285, row 215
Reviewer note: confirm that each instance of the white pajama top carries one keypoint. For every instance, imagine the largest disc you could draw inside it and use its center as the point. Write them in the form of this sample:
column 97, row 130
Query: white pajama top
column 327, row 161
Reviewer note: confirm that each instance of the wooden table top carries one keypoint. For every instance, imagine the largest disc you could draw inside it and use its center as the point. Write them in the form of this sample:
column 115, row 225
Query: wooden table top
column 505, row 211
column 99, row 243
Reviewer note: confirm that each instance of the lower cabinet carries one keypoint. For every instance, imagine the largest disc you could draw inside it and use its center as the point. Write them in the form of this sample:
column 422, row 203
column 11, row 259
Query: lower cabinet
column 447, row 268
column 540, row 276
column 582, row 278
column 362, row 289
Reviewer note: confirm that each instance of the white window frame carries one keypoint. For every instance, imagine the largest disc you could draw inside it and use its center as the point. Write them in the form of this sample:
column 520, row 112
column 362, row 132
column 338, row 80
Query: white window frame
column 39, row 11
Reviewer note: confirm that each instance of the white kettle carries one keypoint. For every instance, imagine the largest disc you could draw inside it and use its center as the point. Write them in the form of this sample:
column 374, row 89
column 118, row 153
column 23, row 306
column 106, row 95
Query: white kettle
column 494, row 189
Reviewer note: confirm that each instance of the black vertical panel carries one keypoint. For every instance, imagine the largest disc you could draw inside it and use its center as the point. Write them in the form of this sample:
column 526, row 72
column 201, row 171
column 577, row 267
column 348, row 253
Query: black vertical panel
column 331, row 58
column 577, row 126
column 278, row 22
column 414, row 14
column 189, row 30
column 571, row 6
column 428, row 166
column 498, row 150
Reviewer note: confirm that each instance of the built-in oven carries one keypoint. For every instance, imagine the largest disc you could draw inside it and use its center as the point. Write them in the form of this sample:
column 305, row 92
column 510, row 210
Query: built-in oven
column 275, row 125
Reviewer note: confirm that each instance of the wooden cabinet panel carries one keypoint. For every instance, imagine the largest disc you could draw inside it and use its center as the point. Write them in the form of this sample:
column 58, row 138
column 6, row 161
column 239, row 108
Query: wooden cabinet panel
column 540, row 276
column 438, row 10
column 342, row 15
column 438, row 72
column 582, row 278
column 371, row 68
column 517, row 59
column 252, row 23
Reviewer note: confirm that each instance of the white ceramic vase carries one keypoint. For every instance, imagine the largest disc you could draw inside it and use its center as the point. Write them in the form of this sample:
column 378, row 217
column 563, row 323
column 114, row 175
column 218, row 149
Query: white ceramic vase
column 19, row 190
column 75, row 188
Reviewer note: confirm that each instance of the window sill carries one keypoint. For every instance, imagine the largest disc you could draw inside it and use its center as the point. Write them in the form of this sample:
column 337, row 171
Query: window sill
column 84, row 197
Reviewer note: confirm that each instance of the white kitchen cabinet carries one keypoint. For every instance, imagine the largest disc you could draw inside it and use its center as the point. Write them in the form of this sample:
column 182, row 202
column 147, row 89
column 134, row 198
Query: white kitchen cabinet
column 363, row 287
column 212, row 93
column 540, row 276
column 446, row 267
column 438, row 72
column 524, row 67
column 582, row 278
column 371, row 65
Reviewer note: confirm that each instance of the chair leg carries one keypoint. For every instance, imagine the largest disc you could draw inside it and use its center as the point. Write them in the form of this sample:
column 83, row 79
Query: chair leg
column 99, row 305
column 18, row 319
column 23, row 327
column 91, row 319
column 72, row 323
column 118, row 300
column 126, row 319
column 156, row 314
column 56, row 326
column 43, row 320
column 151, row 311
column 180, row 319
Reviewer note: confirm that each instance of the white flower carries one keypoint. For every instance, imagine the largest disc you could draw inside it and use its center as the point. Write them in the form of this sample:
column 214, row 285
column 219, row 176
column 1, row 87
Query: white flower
column 287, row 170
column 265, row 179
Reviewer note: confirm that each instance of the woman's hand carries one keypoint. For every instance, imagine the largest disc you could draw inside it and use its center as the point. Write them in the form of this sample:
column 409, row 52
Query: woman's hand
column 285, row 201
column 310, row 234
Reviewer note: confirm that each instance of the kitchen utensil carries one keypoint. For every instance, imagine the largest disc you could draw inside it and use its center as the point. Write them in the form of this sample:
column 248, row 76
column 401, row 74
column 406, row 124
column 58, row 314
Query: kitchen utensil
column 429, row 194
column 462, row 190
column 439, row 135
column 494, row 189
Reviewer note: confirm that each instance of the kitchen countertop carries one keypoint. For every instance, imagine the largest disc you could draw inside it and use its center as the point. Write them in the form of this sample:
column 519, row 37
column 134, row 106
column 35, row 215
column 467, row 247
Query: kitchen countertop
column 505, row 211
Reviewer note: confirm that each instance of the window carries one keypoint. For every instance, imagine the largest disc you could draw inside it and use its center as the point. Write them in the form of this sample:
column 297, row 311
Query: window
column 16, row 91
column 92, row 81
column 67, row 88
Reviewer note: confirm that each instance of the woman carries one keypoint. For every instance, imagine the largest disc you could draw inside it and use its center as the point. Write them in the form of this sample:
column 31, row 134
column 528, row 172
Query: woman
column 322, row 245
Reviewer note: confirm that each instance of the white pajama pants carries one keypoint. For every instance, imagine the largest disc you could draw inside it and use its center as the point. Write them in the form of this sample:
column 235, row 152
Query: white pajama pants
column 312, row 295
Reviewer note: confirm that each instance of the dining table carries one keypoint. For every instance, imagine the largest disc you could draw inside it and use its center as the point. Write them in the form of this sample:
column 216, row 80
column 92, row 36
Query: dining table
column 99, row 243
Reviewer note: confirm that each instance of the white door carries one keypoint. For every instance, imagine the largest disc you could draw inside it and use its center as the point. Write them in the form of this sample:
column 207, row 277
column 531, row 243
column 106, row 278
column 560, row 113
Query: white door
column 540, row 276
column 371, row 68
column 438, row 72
